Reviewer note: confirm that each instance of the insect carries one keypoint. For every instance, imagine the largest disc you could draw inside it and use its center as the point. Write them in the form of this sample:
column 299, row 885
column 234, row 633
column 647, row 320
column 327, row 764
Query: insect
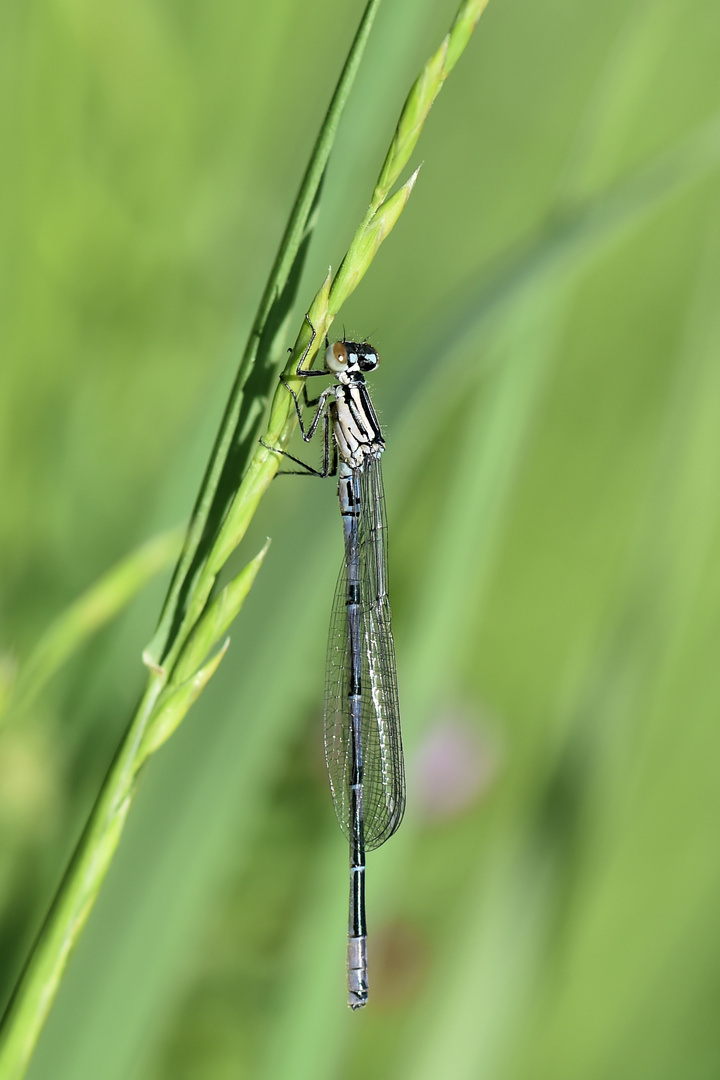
column 363, row 744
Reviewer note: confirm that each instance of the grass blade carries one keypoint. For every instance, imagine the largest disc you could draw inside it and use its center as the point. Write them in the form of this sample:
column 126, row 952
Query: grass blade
column 101, row 603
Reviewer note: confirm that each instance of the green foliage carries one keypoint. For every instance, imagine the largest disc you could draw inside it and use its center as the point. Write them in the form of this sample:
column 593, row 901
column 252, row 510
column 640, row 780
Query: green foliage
column 234, row 481
column 101, row 603
column 547, row 322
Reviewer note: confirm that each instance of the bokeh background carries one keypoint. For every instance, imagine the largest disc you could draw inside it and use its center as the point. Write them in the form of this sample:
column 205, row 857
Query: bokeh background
column 548, row 314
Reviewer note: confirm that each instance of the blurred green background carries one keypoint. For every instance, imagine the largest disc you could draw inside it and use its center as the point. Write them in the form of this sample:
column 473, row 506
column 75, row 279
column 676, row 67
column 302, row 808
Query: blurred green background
column 548, row 314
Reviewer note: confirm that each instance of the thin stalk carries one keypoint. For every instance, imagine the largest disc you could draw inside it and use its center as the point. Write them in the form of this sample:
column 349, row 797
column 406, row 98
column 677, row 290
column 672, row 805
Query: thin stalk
column 96, row 607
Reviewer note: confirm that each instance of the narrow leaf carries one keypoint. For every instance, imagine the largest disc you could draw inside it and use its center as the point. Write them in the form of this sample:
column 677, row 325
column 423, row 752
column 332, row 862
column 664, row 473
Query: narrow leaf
column 216, row 620
column 412, row 118
column 461, row 30
column 101, row 603
column 422, row 94
column 365, row 244
column 174, row 704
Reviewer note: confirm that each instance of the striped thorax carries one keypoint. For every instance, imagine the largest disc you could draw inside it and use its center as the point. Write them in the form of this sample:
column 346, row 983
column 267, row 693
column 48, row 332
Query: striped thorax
column 355, row 425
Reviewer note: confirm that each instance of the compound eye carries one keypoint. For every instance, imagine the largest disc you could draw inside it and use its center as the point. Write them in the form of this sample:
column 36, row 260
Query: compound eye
column 369, row 359
column 336, row 357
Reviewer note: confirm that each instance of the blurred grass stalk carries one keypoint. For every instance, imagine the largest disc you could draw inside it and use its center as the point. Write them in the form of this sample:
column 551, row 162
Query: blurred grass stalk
column 191, row 625
column 97, row 606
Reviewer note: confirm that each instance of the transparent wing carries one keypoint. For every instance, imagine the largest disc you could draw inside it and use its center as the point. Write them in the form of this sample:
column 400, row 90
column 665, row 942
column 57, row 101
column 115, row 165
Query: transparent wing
column 384, row 775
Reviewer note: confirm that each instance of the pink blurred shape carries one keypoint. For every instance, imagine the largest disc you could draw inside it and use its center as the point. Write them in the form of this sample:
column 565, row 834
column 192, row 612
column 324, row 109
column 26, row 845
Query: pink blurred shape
column 453, row 767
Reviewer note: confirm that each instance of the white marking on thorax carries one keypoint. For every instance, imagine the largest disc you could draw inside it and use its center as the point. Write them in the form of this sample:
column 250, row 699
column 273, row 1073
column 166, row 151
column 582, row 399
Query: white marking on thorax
column 354, row 431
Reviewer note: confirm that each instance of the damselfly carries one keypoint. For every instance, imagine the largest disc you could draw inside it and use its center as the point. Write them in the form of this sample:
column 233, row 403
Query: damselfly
column 363, row 746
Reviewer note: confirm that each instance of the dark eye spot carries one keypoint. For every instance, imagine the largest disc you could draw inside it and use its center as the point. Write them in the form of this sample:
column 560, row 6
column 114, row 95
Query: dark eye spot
column 368, row 360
